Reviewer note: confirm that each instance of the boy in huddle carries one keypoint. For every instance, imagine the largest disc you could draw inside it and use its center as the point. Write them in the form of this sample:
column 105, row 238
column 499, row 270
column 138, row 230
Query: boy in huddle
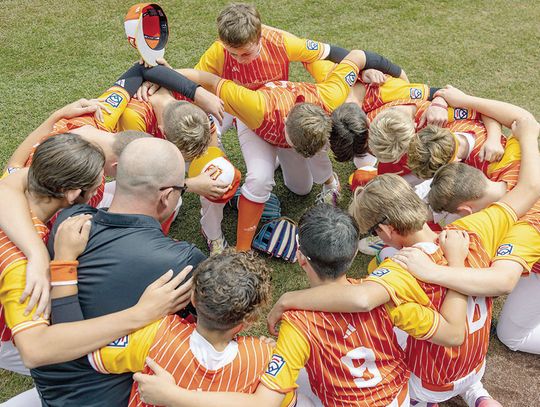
column 461, row 190
column 350, row 358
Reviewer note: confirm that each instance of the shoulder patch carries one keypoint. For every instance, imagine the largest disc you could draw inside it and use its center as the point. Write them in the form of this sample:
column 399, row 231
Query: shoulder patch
column 114, row 99
column 350, row 78
column 416, row 93
column 312, row 45
column 275, row 365
column 380, row 272
column 460, row 113
column 119, row 343
column 505, row 249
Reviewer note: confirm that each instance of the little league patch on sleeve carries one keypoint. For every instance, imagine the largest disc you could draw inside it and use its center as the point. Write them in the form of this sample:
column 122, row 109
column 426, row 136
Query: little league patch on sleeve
column 460, row 114
column 114, row 99
column 416, row 93
column 350, row 78
column 505, row 249
column 275, row 365
column 119, row 343
column 312, row 45
column 380, row 272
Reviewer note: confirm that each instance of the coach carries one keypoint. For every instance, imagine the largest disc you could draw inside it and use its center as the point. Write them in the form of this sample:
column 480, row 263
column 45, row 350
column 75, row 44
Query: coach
column 125, row 253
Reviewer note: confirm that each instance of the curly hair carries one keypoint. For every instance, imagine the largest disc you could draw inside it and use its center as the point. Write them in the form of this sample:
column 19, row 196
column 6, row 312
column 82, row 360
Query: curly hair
column 231, row 288
column 429, row 150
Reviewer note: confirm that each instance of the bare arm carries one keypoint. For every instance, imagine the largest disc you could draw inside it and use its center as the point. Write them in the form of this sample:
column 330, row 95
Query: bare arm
column 16, row 222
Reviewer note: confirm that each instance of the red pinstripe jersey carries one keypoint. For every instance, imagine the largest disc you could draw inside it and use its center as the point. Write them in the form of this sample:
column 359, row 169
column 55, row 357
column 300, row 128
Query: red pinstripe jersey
column 280, row 98
column 9, row 254
column 171, row 350
column 439, row 365
column 271, row 65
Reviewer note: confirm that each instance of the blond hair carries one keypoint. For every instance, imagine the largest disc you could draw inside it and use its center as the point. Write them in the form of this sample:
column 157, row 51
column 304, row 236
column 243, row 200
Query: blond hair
column 308, row 127
column 429, row 150
column 187, row 127
column 388, row 199
column 390, row 134
column 453, row 185
column 239, row 24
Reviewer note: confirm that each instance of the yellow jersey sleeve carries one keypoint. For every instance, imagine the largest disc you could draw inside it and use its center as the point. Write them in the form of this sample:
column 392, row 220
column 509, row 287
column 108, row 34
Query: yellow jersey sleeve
column 246, row 104
column 290, row 355
column 521, row 244
column 126, row 354
column 512, row 154
column 131, row 119
column 417, row 320
column 116, row 99
column 335, row 89
column 396, row 89
column 12, row 282
column 490, row 224
column 213, row 59
column 320, row 70
column 304, row 50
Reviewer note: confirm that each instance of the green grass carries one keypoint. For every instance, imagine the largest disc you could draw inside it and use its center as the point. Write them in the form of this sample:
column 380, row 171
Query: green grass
column 54, row 52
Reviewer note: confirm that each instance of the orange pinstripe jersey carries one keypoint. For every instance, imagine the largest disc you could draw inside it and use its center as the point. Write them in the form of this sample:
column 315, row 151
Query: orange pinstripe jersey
column 9, row 255
column 171, row 350
column 394, row 89
column 351, row 358
column 277, row 50
column 437, row 365
column 265, row 110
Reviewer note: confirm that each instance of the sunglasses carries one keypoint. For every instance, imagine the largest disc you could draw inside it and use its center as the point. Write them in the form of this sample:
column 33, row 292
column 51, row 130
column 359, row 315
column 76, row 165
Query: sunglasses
column 298, row 247
column 373, row 230
column 182, row 188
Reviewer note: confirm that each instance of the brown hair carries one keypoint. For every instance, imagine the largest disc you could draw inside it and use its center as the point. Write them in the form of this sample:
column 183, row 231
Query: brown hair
column 230, row 288
column 429, row 150
column 65, row 162
column 123, row 138
column 349, row 135
column 239, row 24
column 390, row 134
column 308, row 127
column 187, row 127
column 455, row 184
column 389, row 199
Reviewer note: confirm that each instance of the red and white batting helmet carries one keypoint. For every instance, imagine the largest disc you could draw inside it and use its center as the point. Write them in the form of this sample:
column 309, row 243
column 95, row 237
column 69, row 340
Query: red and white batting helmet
column 147, row 30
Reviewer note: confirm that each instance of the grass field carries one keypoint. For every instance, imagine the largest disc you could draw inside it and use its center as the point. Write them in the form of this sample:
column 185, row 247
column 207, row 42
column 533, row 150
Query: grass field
column 54, row 52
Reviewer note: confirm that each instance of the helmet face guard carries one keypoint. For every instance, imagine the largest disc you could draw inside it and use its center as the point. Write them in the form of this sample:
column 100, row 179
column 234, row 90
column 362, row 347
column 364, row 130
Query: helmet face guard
column 147, row 30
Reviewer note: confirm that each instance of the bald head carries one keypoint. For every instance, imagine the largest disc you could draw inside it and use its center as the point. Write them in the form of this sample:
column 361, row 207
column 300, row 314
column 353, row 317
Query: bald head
column 148, row 164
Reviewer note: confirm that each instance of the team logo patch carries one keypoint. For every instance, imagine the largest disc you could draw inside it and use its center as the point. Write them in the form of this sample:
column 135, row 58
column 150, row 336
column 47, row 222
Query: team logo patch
column 114, row 99
column 380, row 272
column 119, row 343
column 505, row 249
column 350, row 78
column 415, row 93
column 460, row 114
column 275, row 365
column 312, row 45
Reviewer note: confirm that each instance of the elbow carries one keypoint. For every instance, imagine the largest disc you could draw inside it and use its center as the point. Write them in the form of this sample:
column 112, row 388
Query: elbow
column 362, row 304
column 456, row 339
column 31, row 360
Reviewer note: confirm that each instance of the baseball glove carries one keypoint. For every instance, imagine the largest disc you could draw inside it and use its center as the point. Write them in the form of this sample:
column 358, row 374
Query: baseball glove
column 272, row 207
column 278, row 239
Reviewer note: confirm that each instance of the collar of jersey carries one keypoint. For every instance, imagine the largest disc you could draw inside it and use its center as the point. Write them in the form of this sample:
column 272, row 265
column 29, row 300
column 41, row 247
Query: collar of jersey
column 102, row 216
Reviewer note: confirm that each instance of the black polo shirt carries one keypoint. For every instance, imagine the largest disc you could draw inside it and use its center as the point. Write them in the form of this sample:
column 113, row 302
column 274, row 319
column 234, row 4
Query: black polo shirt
column 125, row 253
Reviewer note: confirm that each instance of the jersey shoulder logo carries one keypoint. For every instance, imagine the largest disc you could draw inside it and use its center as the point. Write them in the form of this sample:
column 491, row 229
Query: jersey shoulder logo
column 380, row 272
column 460, row 113
column 312, row 45
column 275, row 365
column 416, row 93
column 505, row 249
column 114, row 99
column 350, row 78
column 119, row 343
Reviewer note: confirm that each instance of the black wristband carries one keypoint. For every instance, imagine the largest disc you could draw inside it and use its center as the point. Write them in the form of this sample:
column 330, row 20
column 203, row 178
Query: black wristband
column 376, row 61
column 336, row 54
column 170, row 79
column 432, row 93
column 66, row 309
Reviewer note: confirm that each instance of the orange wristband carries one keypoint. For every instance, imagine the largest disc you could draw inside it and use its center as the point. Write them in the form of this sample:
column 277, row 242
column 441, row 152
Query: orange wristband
column 63, row 272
